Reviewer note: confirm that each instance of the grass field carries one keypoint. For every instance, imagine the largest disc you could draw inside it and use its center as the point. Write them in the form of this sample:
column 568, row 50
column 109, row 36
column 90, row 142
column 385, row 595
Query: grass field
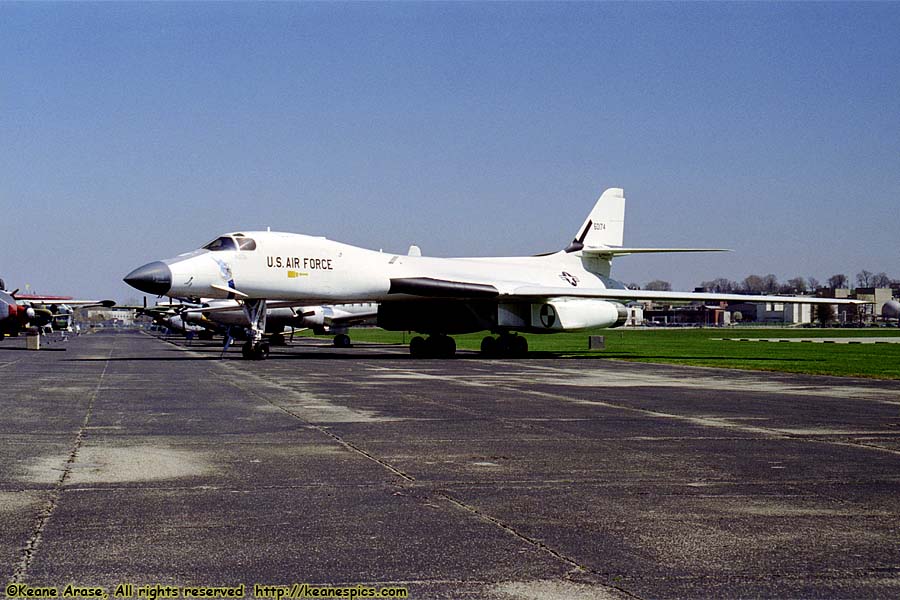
column 697, row 347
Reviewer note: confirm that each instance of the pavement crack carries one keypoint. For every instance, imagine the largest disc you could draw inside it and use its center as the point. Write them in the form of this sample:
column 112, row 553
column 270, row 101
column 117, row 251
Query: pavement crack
column 10, row 363
column 576, row 567
column 43, row 519
column 251, row 390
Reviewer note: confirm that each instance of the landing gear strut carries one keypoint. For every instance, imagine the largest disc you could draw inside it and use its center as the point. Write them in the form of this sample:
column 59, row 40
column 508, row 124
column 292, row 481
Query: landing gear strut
column 505, row 346
column 435, row 346
column 255, row 348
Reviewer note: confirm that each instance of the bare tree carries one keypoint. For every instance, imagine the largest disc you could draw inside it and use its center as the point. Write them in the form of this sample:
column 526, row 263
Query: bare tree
column 864, row 279
column 720, row 285
column 881, row 280
column 657, row 285
column 797, row 285
column 837, row 281
column 813, row 283
column 770, row 284
column 754, row 284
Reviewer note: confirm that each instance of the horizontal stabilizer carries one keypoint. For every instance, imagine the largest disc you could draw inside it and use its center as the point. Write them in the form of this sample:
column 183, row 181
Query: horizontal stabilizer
column 610, row 252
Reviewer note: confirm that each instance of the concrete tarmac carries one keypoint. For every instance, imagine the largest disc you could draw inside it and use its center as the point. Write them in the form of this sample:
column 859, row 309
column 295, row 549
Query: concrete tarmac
column 128, row 459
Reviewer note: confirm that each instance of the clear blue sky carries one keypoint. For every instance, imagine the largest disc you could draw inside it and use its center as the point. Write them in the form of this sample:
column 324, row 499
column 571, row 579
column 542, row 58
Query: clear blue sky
column 131, row 132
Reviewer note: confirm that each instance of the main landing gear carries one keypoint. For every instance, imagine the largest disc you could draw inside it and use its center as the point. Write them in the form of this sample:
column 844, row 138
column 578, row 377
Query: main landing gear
column 504, row 346
column 435, row 346
column 255, row 348
column 342, row 340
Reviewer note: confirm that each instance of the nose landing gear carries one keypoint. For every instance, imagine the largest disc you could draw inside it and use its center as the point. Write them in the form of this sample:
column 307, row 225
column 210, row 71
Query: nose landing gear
column 256, row 348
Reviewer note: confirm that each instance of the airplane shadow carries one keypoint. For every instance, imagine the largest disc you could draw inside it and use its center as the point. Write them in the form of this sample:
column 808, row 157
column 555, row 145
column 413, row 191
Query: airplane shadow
column 44, row 349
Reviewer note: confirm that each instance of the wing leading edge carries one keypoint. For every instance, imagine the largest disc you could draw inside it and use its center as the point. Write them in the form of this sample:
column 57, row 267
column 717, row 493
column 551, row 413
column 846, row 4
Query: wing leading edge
column 532, row 292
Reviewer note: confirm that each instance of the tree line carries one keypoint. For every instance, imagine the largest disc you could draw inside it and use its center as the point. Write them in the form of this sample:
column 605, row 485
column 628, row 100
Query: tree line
column 769, row 284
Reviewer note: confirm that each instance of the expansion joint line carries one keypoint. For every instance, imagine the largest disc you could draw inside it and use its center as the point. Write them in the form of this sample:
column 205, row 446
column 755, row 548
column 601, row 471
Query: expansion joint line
column 324, row 431
column 459, row 504
column 576, row 567
column 43, row 519
column 349, row 446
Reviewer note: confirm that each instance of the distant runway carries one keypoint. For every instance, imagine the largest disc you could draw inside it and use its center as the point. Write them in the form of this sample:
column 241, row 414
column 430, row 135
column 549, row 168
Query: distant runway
column 822, row 340
column 129, row 459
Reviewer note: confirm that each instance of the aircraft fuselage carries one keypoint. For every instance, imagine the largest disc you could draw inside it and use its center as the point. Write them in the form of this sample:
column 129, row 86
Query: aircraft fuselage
column 287, row 266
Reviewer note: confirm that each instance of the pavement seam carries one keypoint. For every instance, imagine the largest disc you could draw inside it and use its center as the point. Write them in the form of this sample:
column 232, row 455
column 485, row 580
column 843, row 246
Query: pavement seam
column 10, row 363
column 43, row 518
column 459, row 504
column 576, row 567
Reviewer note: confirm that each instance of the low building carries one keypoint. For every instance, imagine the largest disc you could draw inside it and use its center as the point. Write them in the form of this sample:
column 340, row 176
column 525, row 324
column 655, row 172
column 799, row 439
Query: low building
column 109, row 316
column 789, row 313
column 693, row 314
column 635, row 315
column 878, row 298
column 875, row 299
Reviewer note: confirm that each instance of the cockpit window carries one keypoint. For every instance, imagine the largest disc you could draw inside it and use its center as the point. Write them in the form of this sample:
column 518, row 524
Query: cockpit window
column 220, row 244
column 246, row 243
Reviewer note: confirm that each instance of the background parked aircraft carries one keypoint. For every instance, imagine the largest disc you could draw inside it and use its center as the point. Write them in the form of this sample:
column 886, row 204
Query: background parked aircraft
column 321, row 319
column 19, row 311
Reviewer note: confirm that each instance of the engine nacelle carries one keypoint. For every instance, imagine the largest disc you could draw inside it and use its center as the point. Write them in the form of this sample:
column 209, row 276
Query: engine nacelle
column 313, row 316
column 575, row 314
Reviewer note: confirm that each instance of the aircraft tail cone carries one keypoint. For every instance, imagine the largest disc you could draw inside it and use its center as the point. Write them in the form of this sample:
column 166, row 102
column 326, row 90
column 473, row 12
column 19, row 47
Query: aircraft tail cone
column 152, row 278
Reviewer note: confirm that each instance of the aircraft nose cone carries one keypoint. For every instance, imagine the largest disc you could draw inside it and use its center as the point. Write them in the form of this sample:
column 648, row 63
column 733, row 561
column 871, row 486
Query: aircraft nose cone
column 153, row 278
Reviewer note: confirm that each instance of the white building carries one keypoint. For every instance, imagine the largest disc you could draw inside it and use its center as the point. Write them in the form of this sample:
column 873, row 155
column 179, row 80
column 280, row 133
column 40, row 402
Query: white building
column 784, row 312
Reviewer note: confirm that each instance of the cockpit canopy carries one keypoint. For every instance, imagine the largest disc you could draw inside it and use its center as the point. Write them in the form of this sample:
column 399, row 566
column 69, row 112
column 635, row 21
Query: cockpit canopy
column 227, row 242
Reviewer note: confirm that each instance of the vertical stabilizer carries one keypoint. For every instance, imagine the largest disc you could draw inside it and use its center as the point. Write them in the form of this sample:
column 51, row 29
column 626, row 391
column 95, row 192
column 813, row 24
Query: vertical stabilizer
column 605, row 226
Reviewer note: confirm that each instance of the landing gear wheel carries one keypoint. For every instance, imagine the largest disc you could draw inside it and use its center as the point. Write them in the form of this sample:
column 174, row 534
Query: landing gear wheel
column 342, row 340
column 278, row 339
column 261, row 351
column 444, row 346
column 418, row 347
column 436, row 346
column 506, row 345
column 253, row 351
column 519, row 346
column 503, row 345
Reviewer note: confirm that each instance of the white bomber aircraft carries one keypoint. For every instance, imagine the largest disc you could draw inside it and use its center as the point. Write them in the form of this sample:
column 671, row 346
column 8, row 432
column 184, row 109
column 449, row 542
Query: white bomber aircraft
column 569, row 290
